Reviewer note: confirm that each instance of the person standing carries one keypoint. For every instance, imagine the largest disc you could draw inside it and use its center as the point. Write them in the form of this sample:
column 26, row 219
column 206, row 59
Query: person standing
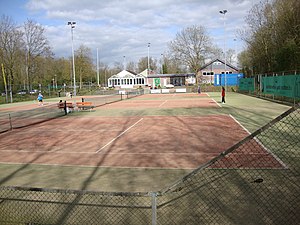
column 40, row 99
column 223, row 95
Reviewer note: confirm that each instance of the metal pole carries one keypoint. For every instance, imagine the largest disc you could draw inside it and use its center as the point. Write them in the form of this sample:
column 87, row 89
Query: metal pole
column 74, row 79
column 224, row 12
column 98, row 78
column 72, row 24
column 124, row 62
column 162, row 63
column 154, row 208
column 225, row 52
column 148, row 66
column 10, row 123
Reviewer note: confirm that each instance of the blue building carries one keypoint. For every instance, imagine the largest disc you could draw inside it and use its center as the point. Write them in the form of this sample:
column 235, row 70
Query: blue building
column 206, row 74
column 231, row 79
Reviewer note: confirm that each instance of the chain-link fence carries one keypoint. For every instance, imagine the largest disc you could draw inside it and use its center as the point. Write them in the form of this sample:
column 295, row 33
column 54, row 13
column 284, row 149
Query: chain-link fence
column 284, row 88
column 254, row 182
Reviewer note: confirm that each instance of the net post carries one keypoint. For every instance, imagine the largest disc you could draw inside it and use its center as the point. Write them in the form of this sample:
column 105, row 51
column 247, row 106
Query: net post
column 154, row 208
column 65, row 107
column 10, row 123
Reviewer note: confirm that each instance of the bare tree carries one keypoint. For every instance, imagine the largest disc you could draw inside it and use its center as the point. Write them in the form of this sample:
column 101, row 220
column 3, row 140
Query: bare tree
column 143, row 64
column 84, row 64
column 171, row 64
column 36, row 45
column 131, row 66
column 191, row 46
column 273, row 36
column 10, row 45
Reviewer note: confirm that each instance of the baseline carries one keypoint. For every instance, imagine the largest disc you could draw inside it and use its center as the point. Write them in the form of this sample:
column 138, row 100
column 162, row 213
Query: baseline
column 262, row 147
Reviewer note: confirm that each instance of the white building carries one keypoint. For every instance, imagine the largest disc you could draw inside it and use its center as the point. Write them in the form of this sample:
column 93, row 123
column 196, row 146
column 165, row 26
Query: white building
column 127, row 79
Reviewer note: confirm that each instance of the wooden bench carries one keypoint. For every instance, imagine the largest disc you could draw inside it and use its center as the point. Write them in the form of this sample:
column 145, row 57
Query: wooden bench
column 61, row 105
column 85, row 105
column 70, row 106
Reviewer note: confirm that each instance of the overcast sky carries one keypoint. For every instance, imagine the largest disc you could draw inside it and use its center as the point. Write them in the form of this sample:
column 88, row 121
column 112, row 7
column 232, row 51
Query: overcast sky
column 121, row 28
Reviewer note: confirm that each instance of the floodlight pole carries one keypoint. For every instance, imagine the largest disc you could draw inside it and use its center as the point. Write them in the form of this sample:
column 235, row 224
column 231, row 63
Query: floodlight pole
column 224, row 12
column 162, row 63
column 148, row 59
column 98, row 77
column 124, row 62
column 235, row 50
column 72, row 25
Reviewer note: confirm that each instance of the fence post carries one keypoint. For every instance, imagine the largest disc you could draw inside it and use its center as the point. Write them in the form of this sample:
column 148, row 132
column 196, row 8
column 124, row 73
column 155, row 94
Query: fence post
column 154, row 208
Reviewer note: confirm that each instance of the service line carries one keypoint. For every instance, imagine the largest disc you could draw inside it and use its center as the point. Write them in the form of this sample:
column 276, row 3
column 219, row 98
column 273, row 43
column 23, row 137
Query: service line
column 119, row 135
column 216, row 102
column 162, row 103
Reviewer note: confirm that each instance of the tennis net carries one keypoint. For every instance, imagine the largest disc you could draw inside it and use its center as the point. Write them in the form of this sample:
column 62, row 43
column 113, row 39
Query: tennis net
column 105, row 99
column 25, row 118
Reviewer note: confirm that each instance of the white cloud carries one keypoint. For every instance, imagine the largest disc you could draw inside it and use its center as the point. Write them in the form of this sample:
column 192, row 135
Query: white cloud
column 121, row 28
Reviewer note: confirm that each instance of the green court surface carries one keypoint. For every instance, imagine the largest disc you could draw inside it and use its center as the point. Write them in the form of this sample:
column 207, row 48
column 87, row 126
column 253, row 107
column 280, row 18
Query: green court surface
column 250, row 112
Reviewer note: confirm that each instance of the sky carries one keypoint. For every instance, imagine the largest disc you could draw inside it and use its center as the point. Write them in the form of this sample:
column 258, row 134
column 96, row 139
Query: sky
column 122, row 29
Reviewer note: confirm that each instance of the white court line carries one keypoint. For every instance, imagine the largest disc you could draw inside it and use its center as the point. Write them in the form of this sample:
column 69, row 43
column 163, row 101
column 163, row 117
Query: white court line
column 217, row 103
column 244, row 128
column 214, row 100
column 163, row 103
column 58, row 151
column 261, row 144
column 110, row 153
column 119, row 135
column 91, row 166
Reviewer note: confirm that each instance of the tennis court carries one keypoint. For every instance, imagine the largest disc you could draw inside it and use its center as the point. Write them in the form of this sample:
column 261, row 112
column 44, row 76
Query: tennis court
column 133, row 162
column 112, row 136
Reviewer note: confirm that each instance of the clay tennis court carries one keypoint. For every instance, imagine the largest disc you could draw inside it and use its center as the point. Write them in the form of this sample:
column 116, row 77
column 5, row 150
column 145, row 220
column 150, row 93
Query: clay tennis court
column 175, row 100
column 132, row 141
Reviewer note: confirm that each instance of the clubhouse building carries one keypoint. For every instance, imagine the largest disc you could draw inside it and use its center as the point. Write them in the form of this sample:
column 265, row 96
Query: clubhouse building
column 206, row 74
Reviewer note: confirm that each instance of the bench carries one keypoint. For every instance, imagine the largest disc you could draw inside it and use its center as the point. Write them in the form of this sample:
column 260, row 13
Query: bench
column 61, row 105
column 84, row 105
column 70, row 106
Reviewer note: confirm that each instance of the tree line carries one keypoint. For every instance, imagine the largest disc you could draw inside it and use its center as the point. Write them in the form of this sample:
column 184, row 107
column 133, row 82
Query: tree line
column 272, row 38
column 29, row 63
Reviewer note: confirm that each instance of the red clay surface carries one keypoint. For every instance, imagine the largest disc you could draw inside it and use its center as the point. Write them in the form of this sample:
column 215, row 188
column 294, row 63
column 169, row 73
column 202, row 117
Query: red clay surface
column 149, row 141
column 168, row 103
column 251, row 154
column 176, row 100
column 153, row 141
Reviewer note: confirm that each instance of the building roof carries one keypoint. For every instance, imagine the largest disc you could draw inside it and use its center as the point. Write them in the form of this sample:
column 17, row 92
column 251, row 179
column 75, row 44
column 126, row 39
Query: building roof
column 221, row 61
column 126, row 74
column 145, row 73
column 152, row 74
column 171, row 75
